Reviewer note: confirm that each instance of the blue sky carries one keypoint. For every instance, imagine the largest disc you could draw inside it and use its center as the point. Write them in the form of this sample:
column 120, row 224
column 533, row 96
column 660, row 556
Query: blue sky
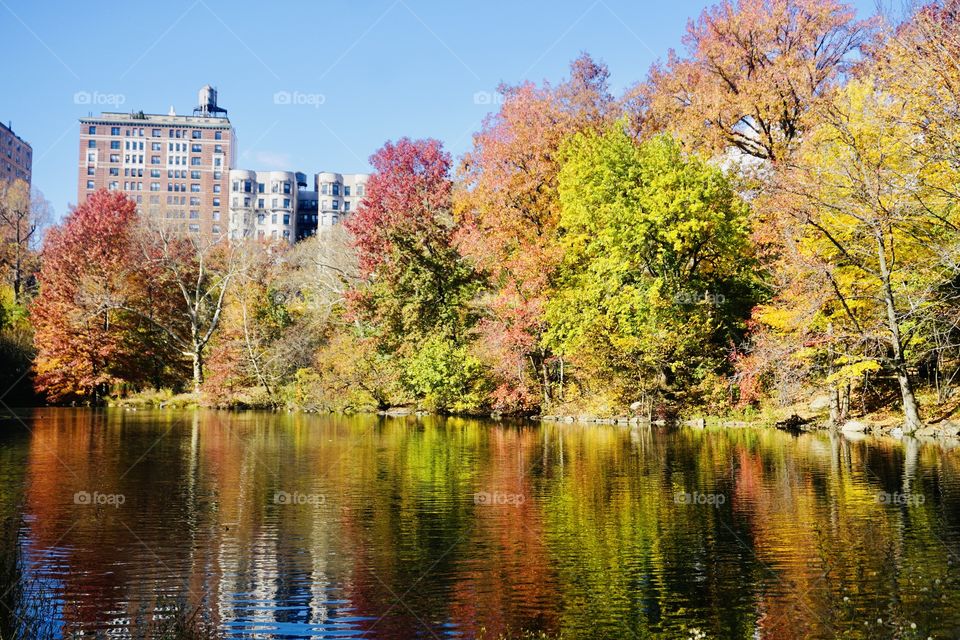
column 357, row 73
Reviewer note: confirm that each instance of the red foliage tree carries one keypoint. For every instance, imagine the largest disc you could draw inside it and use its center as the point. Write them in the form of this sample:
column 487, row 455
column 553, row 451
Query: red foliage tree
column 81, row 338
column 416, row 280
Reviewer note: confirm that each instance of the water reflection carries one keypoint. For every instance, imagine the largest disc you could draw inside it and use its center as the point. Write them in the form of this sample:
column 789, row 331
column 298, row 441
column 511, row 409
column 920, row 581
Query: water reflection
column 303, row 526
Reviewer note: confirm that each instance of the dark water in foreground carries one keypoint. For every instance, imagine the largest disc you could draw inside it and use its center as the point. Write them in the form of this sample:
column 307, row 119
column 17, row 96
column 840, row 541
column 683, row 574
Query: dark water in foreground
column 294, row 526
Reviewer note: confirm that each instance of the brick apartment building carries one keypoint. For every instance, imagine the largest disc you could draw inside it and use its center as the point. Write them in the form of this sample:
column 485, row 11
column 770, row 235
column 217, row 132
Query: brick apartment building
column 175, row 167
column 16, row 156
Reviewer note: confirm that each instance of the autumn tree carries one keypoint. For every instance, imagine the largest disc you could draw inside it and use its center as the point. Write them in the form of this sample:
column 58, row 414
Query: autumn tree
column 416, row 285
column 244, row 354
column 752, row 73
column 871, row 220
column 85, row 341
column 655, row 283
column 508, row 209
column 22, row 216
column 196, row 272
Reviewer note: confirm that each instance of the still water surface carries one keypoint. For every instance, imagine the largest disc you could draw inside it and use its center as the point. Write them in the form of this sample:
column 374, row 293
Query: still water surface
column 301, row 526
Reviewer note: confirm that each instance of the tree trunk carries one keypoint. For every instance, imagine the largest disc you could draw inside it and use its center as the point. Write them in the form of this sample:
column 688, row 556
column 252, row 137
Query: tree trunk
column 911, row 412
column 836, row 419
column 197, row 370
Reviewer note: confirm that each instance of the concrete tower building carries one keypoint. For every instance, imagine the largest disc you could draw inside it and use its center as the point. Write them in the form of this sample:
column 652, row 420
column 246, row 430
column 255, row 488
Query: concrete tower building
column 258, row 211
column 338, row 195
column 263, row 204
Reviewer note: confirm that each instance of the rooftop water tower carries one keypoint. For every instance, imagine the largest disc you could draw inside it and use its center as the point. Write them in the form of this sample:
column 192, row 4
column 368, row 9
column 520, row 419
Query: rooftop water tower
column 207, row 103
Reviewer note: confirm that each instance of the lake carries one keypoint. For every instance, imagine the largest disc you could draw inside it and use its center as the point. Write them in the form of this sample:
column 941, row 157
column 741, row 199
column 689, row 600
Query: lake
column 315, row 526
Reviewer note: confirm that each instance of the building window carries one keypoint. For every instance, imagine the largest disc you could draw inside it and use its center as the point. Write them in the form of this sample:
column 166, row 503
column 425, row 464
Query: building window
column 216, row 202
column 218, row 135
column 154, row 159
column 114, row 157
column 323, row 189
column 346, row 190
column 286, row 203
column 286, row 218
column 194, row 228
column 115, row 171
column 156, row 146
column 197, row 134
column 114, row 131
column 89, row 184
column 155, row 133
column 336, row 205
column 90, row 171
column 216, row 215
column 195, row 148
column 336, row 189
column 216, row 188
column 114, row 144
column 91, row 144
column 346, row 205
column 194, row 214
column 216, row 228
column 360, row 188
column 92, row 130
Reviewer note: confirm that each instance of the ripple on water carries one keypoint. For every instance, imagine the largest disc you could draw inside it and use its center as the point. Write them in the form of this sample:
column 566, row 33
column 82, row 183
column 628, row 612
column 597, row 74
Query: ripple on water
column 408, row 528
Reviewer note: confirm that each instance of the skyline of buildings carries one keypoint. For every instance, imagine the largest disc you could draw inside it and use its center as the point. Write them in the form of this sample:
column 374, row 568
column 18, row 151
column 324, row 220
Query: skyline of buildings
column 182, row 168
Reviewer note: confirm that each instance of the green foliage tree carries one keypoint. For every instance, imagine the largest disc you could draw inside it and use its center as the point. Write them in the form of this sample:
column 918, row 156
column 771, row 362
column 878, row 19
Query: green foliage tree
column 655, row 280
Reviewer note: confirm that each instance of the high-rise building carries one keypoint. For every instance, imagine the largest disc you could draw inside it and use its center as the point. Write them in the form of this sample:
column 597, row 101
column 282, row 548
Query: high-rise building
column 263, row 204
column 277, row 204
column 16, row 156
column 175, row 167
